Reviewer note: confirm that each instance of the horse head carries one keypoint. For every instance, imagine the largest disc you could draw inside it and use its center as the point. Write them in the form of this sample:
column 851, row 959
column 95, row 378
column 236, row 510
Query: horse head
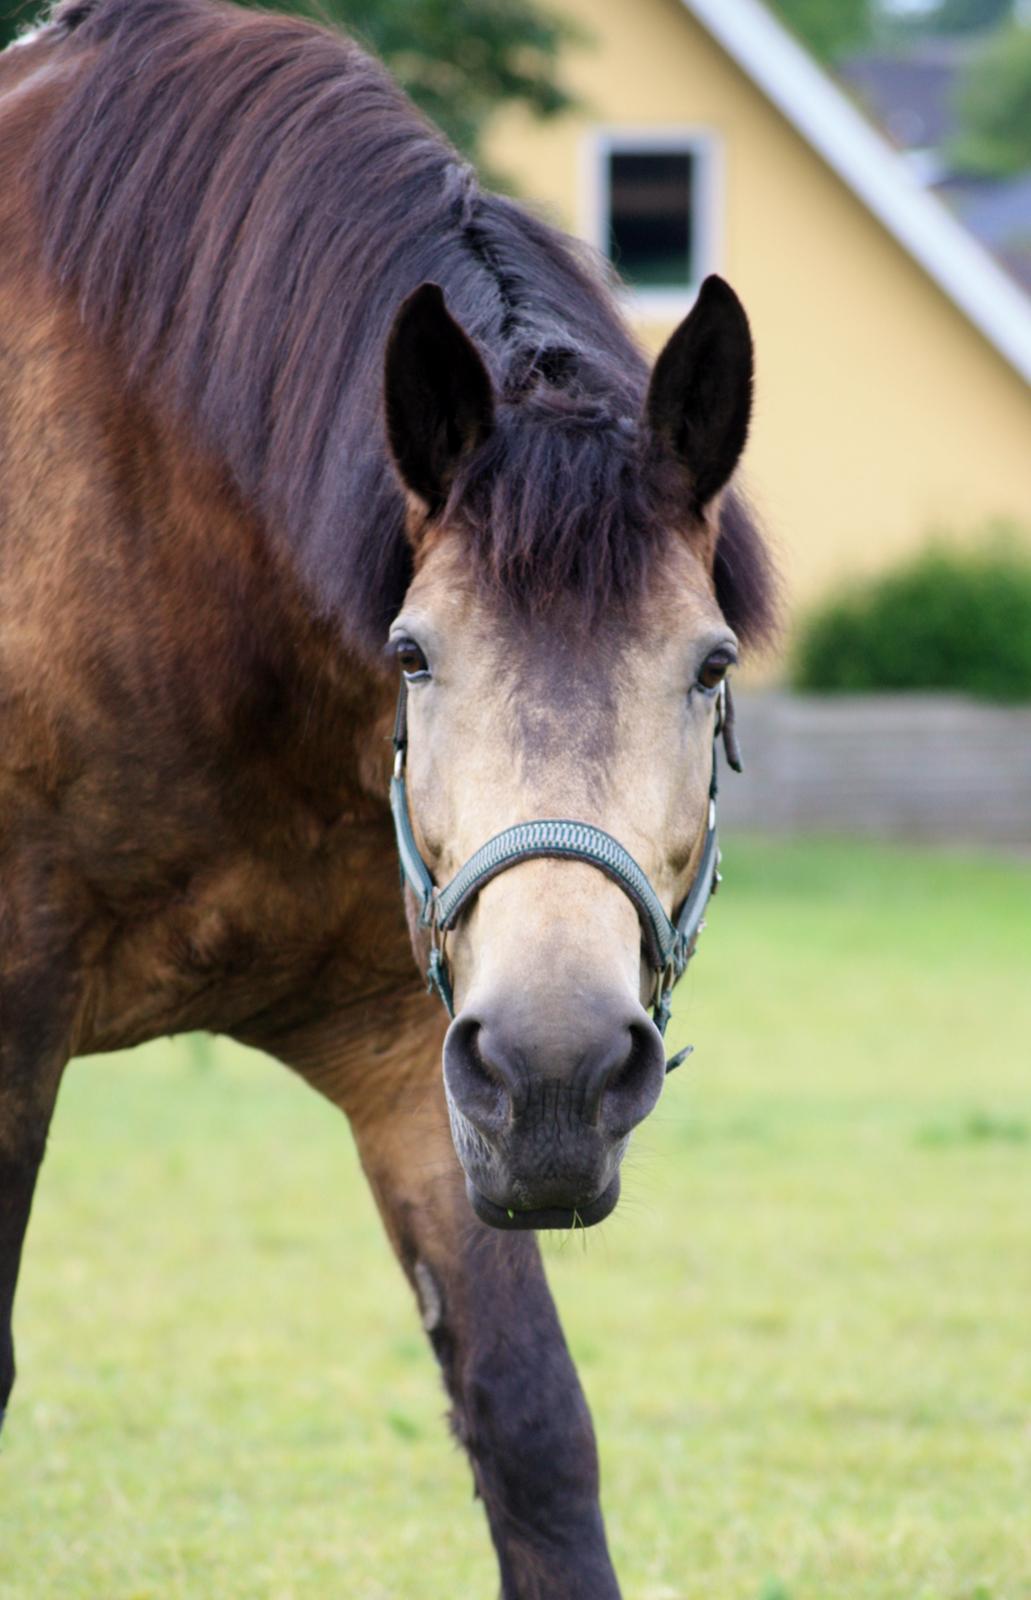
column 562, row 649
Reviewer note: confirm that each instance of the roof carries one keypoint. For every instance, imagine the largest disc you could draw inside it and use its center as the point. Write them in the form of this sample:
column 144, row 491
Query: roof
column 912, row 93
column 998, row 211
column 824, row 116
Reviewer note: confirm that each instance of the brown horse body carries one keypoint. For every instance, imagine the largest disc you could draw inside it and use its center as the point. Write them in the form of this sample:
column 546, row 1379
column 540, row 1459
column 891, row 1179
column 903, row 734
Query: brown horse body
column 194, row 735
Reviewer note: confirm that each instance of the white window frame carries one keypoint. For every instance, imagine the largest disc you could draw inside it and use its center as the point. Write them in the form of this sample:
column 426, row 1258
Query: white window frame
column 705, row 148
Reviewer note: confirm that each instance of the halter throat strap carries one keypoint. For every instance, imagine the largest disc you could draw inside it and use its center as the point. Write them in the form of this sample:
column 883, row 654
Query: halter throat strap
column 668, row 942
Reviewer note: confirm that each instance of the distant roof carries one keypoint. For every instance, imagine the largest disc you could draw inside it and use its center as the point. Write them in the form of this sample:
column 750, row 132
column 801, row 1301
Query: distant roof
column 912, row 92
column 825, row 117
column 998, row 210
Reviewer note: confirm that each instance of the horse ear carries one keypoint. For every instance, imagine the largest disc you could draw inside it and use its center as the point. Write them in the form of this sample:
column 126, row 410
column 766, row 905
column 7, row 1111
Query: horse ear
column 439, row 396
column 700, row 396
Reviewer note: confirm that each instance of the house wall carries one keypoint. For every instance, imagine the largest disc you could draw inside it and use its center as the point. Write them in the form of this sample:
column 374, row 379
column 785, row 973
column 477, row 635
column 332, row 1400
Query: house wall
column 882, row 413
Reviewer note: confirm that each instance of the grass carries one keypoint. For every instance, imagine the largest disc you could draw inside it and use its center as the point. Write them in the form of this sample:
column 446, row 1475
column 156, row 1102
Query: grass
column 805, row 1334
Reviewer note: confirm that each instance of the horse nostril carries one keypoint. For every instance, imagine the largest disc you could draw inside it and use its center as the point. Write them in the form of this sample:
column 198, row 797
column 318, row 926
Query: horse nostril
column 612, row 1085
column 482, row 1083
column 626, row 1087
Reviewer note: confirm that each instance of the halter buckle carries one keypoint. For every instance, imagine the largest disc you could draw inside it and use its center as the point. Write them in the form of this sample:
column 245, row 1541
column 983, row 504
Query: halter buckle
column 665, row 981
column 438, row 981
column 721, row 708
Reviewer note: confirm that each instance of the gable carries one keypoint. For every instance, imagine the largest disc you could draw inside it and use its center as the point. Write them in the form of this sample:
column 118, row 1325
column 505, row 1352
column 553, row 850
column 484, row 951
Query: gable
column 883, row 412
column 827, row 120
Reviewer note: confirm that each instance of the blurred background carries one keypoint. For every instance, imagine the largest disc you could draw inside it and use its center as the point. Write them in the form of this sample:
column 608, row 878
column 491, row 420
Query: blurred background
column 804, row 1334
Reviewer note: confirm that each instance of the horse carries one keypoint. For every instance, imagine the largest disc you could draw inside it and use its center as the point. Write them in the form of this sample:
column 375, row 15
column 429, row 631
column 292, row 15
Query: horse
column 291, row 410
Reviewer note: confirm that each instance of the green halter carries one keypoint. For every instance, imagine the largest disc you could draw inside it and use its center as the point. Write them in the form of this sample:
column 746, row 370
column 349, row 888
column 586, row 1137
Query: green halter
column 669, row 944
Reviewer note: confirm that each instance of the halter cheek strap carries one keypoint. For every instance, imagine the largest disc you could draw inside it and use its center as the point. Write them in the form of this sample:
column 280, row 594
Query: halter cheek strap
column 669, row 944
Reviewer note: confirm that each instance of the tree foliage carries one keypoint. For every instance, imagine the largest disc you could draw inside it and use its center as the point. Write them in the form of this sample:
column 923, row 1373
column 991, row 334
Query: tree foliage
column 968, row 16
column 830, row 28
column 462, row 60
column 995, row 107
column 16, row 15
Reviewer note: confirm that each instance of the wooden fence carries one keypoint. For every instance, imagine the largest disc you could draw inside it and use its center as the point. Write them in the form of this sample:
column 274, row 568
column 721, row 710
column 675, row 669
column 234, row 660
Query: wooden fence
column 936, row 767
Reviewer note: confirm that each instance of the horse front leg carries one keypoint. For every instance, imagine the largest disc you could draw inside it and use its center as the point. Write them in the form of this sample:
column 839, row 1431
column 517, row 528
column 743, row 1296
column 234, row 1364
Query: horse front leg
column 30, row 1071
column 19, row 1166
column 517, row 1404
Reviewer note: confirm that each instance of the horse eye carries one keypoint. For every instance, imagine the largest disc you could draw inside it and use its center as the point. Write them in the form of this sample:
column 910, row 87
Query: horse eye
column 715, row 669
column 411, row 659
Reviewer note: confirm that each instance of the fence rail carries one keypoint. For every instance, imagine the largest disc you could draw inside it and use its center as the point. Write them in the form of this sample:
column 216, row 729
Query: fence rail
column 892, row 765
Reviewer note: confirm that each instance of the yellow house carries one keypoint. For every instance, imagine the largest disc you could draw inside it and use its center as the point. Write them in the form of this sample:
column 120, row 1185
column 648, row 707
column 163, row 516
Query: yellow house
column 894, row 356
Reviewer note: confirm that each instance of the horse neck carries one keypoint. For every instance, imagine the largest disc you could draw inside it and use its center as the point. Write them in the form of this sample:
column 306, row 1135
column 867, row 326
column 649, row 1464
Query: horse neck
column 166, row 612
column 274, row 669
column 150, row 555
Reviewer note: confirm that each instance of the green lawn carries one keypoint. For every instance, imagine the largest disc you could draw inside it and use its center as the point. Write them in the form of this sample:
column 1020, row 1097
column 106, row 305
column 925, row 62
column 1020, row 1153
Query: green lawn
column 805, row 1334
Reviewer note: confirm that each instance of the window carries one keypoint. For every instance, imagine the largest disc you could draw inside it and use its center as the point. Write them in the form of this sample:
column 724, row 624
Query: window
column 653, row 212
column 651, row 217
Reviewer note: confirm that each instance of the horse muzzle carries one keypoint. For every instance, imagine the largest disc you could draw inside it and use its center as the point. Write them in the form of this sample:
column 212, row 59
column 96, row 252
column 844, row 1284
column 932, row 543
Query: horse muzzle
column 541, row 1125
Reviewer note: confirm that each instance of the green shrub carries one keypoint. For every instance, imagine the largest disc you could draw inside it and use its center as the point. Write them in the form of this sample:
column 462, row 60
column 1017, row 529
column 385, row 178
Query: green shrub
column 951, row 619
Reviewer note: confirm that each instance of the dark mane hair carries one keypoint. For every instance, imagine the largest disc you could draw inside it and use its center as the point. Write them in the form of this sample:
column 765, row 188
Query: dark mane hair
column 240, row 201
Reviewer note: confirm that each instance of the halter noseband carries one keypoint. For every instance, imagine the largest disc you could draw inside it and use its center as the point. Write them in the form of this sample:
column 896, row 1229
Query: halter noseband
column 669, row 944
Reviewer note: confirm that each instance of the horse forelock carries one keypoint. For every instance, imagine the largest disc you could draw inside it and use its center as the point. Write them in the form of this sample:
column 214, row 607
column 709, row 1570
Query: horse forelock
column 558, row 503
column 240, row 201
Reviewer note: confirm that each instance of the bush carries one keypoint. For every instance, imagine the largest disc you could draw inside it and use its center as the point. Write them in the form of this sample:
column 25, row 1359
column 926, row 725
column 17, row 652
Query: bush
column 952, row 619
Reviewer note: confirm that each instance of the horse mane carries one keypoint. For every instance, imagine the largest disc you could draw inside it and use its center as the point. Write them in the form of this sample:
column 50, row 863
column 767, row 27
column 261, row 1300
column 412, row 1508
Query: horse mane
column 240, row 201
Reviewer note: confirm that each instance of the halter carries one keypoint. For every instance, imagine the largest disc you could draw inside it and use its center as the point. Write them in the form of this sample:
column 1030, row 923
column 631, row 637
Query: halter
column 669, row 944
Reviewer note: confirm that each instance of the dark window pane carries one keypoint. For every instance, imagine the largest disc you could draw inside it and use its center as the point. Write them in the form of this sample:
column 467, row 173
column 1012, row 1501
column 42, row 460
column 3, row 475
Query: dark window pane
column 650, row 202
